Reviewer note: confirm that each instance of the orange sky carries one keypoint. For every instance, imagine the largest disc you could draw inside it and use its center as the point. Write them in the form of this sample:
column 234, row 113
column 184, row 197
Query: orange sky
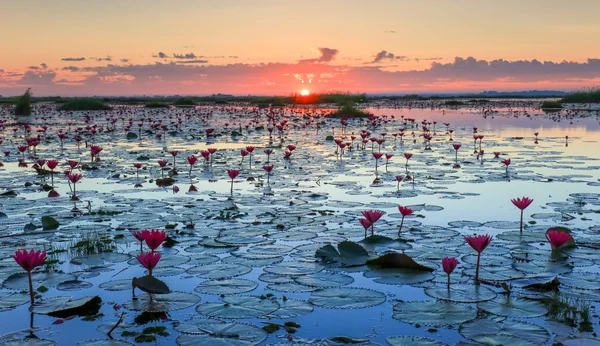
column 139, row 47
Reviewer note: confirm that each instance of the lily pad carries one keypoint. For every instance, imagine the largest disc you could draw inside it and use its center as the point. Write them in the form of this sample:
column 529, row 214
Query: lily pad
column 461, row 293
column 226, row 286
column 162, row 302
column 433, row 313
column 347, row 298
column 216, row 333
column 413, row 341
column 219, row 270
column 239, row 307
column 66, row 306
column 522, row 330
column 514, row 307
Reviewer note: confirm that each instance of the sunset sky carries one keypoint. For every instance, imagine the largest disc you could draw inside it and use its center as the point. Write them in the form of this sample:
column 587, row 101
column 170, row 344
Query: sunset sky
column 200, row 47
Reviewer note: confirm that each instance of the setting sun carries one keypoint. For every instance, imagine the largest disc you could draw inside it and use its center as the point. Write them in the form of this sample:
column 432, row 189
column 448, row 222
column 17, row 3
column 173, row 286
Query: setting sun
column 304, row 92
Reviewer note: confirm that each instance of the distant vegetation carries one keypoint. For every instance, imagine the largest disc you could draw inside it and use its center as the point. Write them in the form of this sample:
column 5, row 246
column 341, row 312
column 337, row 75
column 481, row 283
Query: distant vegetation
column 157, row 105
column 185, row 101
column 551, row 105
column 584, row 96
column 338, row 98
column 454, row 103
column 23, row 104
column 349, row 110
column 84, row 104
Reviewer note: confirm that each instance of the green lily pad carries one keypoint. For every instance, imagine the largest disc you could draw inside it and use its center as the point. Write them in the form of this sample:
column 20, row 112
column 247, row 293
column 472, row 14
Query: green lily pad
column 226, row 286
column 522, row 330
column 10, row 300
column 325, row 279
column 216, row 333
column 19, row 281
column 433, row 313
column 219, row 270
column 413, row 341
column 461, row 293
column 291, row 308
column 66, row 306
column 514, row 307
column 162, row 302
column 347, row 298
column 294, row 268
column 239, row 307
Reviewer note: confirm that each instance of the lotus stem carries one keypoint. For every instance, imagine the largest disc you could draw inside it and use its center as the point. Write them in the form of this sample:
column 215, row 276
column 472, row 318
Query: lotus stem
column 30, row 287
column 477, row 267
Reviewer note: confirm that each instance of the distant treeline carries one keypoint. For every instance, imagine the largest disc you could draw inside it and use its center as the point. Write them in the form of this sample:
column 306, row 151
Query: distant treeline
column 335, row 98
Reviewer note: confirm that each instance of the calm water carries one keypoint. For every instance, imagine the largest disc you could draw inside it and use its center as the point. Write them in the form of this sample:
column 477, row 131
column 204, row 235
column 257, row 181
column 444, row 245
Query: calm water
column 316, row 197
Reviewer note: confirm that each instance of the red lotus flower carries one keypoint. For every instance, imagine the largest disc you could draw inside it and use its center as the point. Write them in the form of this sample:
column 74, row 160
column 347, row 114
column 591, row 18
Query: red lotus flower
column 52, row 164
column 268, row 151
column 74, row 178
column 291, row 147
column 506, row 162
column 250, row 149
column 478, row 243
column 557, row 238
column 377, row 156
column 174, row 153
column 244, row 152
column 497, row 154
column 522, row 203
column 192, row 160
column 193, row 188
column 399, row 178
column 22, row 148
column 149, row 260
column 72, row 163
column 268, row 168
column 29, row 261
column 154, row 238
column 53, row 194
column 137, row 165
column 405, row 211
column 449, row 264
column 388, row 156
column 372, row 215
column 456, row 146
column 212, row 150
column 139, row 235
column 175, row 188
column 233, row 173
column 287, row 154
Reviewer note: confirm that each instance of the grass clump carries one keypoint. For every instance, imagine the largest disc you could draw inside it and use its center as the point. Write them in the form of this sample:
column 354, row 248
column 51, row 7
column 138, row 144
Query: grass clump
column 583, row 96
column 349, row 110
column 23, row 106
column 185, row 101
column 454, row 103
column 85, row 104
column 551, row 105
column 157, row 105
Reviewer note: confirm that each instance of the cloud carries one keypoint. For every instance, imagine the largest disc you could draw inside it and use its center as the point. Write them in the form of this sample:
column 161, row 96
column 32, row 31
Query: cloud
column 73, row 59
column 34, row 68
column 198, row 61
column 37, row 78
column 187, row 77
column 327, row 55
column 160, row 55
column 390, row 31
column 124, row 60
column 184, row 56
column 427, row 59
column 108, row 58
column 44, row 66
column 385, row 55
column 71, row 68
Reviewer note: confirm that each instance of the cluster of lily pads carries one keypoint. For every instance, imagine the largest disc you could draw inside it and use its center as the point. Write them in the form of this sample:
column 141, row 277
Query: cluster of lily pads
column 273, row 258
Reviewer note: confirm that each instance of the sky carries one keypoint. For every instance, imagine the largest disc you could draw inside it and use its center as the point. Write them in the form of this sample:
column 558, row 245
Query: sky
column 203, row 47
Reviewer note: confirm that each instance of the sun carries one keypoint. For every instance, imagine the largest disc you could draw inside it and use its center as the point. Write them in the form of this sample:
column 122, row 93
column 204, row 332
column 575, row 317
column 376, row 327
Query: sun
column 304, row 92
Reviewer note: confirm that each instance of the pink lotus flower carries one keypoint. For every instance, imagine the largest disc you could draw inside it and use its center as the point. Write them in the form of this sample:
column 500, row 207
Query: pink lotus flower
column 478, row 243
column 449, row 264
column 74, row 178
column 72, row 163
column 365, row 223
column 497, row 154
column 154, row 238
column 287, row 154
column 522, row 203
column 556, row 238
column 506, row 163
column 149, row 260
column 405, row 212
column 250, row 149
column 52, row 164
column 139, row 235
column 291, row 147
column 29, row 261
column 233, row 173
column 53, row 194
column 372, row 216
column 137, row 165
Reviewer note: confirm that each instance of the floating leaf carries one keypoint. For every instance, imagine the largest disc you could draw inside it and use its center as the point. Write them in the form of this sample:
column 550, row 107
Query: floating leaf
column 433, row 313
column 514, row 307
column 216, row 333
column 150, row 284
column 413, row 341
column 346, row 298
column 226, row 286
column 49, row 223
column 239, row 307
column 294, row 268
column 291, row 308
column 20, row 281
column 526, row 331
column 398, row 260
column 219, row 270
column 12, row 299
column 104, row 342
column 325, row 279
column 162, row 302
column 66, row 306
column 461, row 293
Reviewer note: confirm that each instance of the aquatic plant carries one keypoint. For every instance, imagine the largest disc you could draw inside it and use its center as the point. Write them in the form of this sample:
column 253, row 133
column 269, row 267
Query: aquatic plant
column 149, row 260
column 23, row 104
column 522, row 204
column 233, row 173
column 372, row 216
column 74, row 178
column 449, row 264
column 478, row 243
column 557, row 238
column 29, row 261
column 405, row 212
